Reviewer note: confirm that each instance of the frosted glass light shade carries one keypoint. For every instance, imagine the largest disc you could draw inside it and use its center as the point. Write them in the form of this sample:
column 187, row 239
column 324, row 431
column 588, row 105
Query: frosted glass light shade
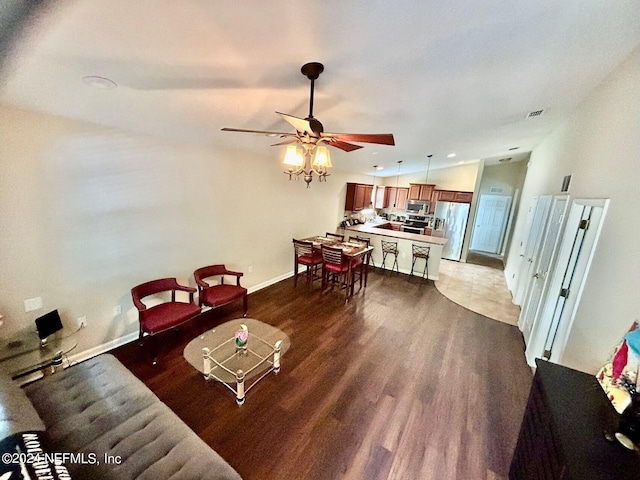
column 322, row 157
column 293, row 157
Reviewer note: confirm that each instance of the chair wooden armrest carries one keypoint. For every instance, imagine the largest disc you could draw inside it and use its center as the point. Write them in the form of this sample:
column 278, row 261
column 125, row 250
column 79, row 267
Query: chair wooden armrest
column 218, row 295
column 235, row 274
column 165, row 315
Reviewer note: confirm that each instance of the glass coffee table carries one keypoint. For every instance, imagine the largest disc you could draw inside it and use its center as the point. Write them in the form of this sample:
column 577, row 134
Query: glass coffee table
column 239, row 368
column 23, row 353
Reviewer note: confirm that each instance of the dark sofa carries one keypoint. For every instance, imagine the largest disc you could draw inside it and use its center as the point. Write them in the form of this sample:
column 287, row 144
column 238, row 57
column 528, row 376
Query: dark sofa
column 99, row 408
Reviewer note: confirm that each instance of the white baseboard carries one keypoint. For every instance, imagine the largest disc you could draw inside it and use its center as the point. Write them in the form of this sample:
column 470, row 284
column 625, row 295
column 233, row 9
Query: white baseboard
column 270, row 282
column 103, row 348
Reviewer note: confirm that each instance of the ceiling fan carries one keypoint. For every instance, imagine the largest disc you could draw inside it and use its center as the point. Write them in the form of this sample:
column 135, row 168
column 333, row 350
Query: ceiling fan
column 310, row 132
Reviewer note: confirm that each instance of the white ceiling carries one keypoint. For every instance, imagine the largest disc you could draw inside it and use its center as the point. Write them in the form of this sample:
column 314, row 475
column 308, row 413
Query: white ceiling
column 453, row 76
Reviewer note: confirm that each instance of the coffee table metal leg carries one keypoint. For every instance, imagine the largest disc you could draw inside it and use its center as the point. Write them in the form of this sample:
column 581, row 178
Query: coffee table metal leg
column 240, row 387
column 207, row 362
column 276, row 356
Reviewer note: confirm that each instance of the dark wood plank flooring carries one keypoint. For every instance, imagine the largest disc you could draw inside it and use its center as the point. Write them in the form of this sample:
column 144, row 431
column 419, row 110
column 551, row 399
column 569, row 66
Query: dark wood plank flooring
column 401, row 383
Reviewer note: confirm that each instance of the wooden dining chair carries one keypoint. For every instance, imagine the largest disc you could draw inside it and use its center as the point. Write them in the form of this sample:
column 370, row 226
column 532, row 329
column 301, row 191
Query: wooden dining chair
column 335, row 236
column 369, row 243
column 335, row 268
column 304, row 254
column 362, row 265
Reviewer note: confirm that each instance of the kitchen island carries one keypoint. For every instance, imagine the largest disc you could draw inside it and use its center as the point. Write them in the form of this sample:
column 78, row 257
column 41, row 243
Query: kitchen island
column 381, row 231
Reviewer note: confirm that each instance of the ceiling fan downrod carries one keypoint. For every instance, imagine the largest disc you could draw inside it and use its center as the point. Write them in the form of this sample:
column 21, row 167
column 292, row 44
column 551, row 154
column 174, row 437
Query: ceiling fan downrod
column 312, row 71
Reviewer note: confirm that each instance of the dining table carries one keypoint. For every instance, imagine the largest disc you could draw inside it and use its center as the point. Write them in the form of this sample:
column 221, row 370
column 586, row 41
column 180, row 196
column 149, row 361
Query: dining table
column 351, row 250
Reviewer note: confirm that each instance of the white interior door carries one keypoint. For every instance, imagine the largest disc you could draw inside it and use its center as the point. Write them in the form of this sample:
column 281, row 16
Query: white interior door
column 513, row 287
column 531, row 249
column 540, row 278
column 491, row 220
column 550, row 332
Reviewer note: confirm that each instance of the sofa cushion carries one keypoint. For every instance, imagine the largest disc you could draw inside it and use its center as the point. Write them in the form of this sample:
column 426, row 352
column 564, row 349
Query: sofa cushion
column 99, row 407
column 17, row 413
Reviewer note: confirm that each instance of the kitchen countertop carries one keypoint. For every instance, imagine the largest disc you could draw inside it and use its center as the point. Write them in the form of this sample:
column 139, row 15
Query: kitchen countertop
column 374, row 229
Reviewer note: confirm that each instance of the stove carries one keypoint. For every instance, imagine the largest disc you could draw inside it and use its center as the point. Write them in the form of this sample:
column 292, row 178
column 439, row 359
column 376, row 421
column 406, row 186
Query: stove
column 419, row 221
column 408, row 229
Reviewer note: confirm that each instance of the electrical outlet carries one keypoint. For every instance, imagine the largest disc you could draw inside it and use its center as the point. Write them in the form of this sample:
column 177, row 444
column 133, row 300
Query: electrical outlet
column 117, row 310
column 82, row 322
column 251, row 269
column 32, row 304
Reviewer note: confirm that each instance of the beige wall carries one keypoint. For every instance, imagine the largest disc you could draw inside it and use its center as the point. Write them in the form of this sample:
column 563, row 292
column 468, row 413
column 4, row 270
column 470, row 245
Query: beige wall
column 88, row 212
column 508, row 177
column 460, row 177
column 600, row 147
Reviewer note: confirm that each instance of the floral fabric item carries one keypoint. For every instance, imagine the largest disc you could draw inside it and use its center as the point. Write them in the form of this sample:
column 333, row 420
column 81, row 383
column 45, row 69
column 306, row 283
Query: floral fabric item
column 618, row 377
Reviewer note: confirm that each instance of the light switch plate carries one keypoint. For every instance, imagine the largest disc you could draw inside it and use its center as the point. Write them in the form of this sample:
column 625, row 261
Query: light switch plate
column 32, row 304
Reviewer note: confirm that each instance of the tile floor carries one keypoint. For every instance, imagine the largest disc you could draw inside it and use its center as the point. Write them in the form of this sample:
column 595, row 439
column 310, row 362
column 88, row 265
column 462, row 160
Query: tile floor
column 480, row 289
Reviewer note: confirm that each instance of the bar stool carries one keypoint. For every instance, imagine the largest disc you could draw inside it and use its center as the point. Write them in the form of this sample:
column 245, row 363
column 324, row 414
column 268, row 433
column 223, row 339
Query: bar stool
column 390, row 248
column 420, row 251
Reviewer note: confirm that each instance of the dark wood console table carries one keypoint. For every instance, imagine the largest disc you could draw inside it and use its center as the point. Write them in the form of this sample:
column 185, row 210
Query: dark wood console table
column 562, row 433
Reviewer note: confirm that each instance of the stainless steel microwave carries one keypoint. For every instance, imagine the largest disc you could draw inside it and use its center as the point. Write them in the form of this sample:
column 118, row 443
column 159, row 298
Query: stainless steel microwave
column 417, row 206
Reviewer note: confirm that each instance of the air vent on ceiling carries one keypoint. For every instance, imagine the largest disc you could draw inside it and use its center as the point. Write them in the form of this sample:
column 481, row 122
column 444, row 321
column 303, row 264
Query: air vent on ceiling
column 505, row 160
column 535, row 113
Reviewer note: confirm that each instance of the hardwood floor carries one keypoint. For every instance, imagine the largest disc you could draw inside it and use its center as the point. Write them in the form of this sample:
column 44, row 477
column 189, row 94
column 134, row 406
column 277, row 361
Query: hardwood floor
column 401, row 383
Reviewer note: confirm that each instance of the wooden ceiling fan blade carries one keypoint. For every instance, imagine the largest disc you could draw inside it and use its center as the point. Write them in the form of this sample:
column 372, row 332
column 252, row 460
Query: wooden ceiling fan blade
column 347, row 147
column 380, row 138
column 263, row 132
column 300, row 124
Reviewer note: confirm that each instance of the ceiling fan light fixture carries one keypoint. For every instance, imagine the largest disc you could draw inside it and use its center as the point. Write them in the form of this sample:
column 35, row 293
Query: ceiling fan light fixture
column 307, row 160
column 322, row 157
column 293, row 157
column 313, row 157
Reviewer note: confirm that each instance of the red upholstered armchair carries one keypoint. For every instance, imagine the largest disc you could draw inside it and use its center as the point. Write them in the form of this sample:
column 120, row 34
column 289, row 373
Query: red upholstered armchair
column 166, row 315
column 217, row 295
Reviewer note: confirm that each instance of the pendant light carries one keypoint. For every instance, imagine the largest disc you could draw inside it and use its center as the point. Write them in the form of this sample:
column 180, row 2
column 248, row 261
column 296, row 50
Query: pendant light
column 395, row 200
column 426, row 180
column 372, row 200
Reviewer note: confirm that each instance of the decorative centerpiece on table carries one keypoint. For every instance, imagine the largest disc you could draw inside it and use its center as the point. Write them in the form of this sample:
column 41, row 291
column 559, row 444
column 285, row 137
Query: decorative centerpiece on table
column 242, row 337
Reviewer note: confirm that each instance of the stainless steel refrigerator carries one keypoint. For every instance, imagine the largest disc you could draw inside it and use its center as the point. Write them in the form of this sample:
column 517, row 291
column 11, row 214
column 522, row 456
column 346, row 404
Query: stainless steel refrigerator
column 451, row 219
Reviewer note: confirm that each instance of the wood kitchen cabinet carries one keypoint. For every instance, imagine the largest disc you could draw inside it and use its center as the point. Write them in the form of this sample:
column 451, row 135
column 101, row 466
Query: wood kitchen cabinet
column 396, row 197
column 358, row 196
column 421, row 191
column 445, row 195
column 401, row 198
column 464, row 197
column 449, row 196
